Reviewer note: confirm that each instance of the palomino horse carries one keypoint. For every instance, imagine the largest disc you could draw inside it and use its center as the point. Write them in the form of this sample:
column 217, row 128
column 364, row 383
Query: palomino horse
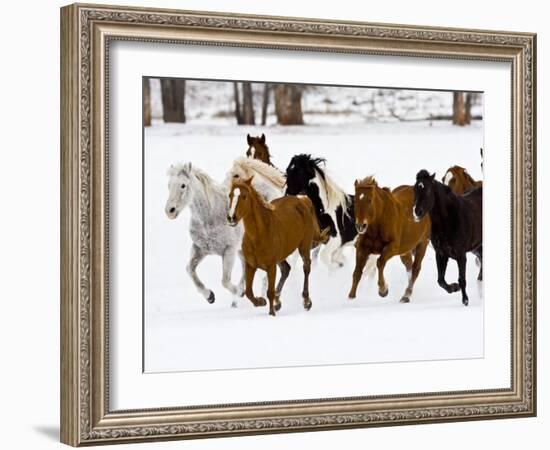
column 272, row 231
column 333, row 207
column 267, row 180
column 456, row 226
column 210, row 233
column 258, row 149
column 459, row 180
column 383, row 220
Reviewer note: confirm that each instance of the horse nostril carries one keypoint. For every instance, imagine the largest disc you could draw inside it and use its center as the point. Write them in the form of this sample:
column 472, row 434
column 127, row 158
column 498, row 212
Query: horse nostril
column 172, row 210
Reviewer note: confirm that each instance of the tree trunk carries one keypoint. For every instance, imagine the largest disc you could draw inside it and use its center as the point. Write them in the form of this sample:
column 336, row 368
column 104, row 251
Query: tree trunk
column 238, row 113
column 459, row 110
column 248, row 104
column 265, row 103
column 173, row 100
column 288, row 104
column 146, row 102
column 468, row 108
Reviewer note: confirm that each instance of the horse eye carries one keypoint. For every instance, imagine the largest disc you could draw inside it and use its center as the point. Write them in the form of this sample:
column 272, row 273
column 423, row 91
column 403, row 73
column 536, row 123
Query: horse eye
column 183, row 186
column 236, row 176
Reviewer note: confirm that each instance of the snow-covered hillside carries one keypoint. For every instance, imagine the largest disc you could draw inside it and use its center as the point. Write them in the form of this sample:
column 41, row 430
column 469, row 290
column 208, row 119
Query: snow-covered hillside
column 183, row 332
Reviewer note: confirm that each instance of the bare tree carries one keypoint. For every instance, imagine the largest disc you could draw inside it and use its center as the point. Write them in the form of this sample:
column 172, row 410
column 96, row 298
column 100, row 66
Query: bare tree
column 459, row 109
column 265, row 102
column 288, row 104
column 146, row 102
column 244, row 107
column 173, row 99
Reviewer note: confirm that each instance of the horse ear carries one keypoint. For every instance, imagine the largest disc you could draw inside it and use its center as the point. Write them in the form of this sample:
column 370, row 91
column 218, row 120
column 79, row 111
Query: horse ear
column 356, row 183
column 186, row 168
column 249, row 180
column 262, row 139
column 432, row 176
column 248, row 140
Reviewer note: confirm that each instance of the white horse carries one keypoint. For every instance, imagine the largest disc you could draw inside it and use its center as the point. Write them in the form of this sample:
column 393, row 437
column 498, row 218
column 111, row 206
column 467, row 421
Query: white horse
column 209, row 229
column 267, row 180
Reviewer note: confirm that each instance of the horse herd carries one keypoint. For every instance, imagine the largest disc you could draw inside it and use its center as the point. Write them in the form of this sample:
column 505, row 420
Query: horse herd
column 262, row 216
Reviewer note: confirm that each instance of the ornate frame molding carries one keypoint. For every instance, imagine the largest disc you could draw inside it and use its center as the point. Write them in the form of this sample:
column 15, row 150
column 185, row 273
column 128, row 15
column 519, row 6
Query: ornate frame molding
column 86, row 31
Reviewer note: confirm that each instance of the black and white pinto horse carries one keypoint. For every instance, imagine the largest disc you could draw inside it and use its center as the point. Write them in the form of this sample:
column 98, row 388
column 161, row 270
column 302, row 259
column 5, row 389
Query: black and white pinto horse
column 456, row 226
column 334, row 208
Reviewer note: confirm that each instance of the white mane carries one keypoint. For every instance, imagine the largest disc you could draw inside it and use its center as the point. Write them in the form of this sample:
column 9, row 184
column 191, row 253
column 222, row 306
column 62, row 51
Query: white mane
column 260, row 170
column 333, row 194
column 210, row 187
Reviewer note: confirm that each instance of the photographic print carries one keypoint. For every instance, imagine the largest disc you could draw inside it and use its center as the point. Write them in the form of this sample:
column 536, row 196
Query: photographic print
column 290, row 225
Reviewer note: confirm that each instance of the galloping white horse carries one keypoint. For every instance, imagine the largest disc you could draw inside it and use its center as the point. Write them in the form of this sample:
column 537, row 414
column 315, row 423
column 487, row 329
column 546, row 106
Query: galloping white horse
column 209, row 229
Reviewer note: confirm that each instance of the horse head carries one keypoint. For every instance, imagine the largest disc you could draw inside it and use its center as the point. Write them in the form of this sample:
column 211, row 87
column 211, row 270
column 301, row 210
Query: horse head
column 179, row 189
column 366, row 203
column 424, row 194
column 300, row 172
column 240, row 198
column 257, row 148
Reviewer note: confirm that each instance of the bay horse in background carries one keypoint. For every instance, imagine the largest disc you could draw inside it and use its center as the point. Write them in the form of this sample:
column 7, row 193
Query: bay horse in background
column 456, row 226
column 258, row 149
column 385, row 227
column 272, row 231
column 459, row 180
column 209, row 230
column 333, row 207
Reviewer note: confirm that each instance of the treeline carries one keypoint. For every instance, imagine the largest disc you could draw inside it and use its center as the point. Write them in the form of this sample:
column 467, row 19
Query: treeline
column 250, row 106
column 287, row 100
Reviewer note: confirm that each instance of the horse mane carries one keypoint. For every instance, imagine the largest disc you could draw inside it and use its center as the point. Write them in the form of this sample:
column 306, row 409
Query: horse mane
column 424, row 175
column 335, row 195
column 210, row 186
column 266, row 172
column 368, row 181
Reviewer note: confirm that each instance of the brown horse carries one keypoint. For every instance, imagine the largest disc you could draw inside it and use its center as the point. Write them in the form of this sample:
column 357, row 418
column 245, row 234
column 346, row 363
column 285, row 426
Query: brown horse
column 459, row 180
column 272, row 231
column 257, row 149
column 384, row 222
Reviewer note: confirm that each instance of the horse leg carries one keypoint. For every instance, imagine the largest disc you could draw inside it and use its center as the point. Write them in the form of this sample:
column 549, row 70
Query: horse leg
column 328, row 250
column 387, row 253
column 407, row 261
column 243, row 265
column 361, row 256
column 315, row 254
column 479, row 254
column 271, row 274
column 461, row 261
column 442, row 261
column 284, row 267
column 228, row 260
column 419, row 253
column 306, row 258
column 249, row 276
column 197, row 255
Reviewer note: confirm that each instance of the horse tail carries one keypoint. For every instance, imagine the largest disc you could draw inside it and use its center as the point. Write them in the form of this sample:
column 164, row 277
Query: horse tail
column 322, row 237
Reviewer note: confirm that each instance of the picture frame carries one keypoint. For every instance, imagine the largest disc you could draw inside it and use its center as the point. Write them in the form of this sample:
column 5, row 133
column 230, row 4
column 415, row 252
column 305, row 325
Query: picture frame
column 87, row 31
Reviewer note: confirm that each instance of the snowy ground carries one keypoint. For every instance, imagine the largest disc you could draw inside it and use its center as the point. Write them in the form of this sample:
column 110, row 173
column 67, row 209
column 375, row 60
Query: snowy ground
column 183, row 332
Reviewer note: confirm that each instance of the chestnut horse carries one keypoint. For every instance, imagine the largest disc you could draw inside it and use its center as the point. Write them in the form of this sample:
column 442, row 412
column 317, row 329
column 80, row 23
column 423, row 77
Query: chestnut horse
column 459, row 180
column 272, row 231
column 385, row 227
column 257, row 149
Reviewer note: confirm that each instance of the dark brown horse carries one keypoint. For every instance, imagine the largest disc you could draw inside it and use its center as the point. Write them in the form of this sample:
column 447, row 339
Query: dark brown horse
column 272, row 231
column 459, row 180
column 385, row 226
column 257, row 148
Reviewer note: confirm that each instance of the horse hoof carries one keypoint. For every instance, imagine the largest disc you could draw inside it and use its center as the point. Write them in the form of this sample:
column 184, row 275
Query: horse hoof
column 351, row 296
column 234, row 304
column 404, row 300
column 454, row 287
column 260, row 301
column 272, row 313
column 465, row 301
column 211, row 298
column 307, row 305
column 383, row 293
column 277, row 305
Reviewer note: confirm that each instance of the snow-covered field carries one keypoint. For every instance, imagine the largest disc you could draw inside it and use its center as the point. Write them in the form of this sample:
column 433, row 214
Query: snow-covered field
column 183, row 332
